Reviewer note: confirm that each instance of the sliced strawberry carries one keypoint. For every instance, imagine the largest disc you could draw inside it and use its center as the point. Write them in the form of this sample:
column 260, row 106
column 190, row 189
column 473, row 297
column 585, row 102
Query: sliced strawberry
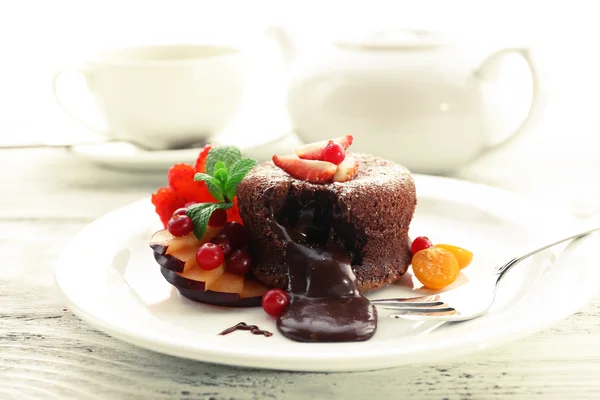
column 347, row 169
column 200, row 165
column 307, row 170
column 314, row 151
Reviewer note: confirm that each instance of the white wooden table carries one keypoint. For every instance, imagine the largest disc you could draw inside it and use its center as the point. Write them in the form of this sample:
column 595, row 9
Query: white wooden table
column 46, row 352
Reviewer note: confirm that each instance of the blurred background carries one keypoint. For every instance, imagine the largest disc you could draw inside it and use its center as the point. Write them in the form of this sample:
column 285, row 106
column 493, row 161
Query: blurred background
column 556, row 160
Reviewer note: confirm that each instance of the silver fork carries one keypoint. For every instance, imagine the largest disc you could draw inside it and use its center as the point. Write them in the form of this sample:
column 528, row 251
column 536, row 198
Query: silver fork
column 432, row 307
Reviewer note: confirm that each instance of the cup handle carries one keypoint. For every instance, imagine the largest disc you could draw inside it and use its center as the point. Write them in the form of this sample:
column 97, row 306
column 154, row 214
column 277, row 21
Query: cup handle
column 489, row 69
column 55, row 85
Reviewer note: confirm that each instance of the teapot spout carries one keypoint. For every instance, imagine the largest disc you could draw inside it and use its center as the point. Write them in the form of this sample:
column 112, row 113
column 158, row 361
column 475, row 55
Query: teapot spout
column 284, row 41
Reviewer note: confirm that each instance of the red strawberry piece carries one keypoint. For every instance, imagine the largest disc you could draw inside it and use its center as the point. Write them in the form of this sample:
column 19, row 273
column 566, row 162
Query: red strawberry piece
column 233, row 213
column 181, row 179
column 314, row 151
column 200, row 165
column 307, row 170
column 182, row 190
column 197, row 192
column 166, row 201
column 347, row 169
column 181, row 176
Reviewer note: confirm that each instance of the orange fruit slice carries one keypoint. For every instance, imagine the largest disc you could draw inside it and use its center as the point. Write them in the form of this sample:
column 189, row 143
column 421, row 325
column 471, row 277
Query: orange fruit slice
column 435, row 267
column 463, row 256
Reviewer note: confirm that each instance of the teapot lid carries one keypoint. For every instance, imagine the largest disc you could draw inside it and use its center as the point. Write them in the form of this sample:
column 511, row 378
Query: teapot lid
column 391, row 39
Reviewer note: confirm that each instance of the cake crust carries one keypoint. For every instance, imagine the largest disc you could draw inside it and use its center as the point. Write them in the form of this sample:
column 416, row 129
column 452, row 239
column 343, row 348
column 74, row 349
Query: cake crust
column 372, row 217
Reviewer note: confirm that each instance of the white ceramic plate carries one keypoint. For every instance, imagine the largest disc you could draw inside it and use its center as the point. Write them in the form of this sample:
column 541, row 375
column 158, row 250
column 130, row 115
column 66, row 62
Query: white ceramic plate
column 110, row 279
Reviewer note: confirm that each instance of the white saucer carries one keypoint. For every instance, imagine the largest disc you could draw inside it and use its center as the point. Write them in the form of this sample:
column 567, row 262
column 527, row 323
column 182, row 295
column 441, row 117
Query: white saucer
column 126, row 156
column 109, row 278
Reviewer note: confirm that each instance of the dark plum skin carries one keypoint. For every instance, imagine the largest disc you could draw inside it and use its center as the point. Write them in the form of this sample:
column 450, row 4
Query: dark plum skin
column 159, row 245
column 194, row 290
column 159, row 248
column 159, row 241
column 169, row 262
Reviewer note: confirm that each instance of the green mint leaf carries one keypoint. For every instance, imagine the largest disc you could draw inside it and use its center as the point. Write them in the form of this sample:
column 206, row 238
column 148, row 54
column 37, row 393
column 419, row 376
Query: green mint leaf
column 200, row 214
column 202, row 177
column 228, row 155
column 216, row 189
column 222, row 176
column 237, row 172
column 225, row 169
column 220, row 165
column 218, row 183
column 214, row 186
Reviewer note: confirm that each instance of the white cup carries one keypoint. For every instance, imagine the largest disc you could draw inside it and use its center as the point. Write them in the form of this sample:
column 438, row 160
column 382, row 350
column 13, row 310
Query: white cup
column 163, row 96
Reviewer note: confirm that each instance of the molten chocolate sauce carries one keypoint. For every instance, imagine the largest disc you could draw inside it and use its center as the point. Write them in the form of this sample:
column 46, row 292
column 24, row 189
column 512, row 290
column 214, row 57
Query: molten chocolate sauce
column 325, row 305
column 242, row 326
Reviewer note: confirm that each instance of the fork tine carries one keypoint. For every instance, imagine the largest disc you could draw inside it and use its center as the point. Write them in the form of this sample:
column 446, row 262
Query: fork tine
column 424, row 311
column 421, row 299
column 396, row 306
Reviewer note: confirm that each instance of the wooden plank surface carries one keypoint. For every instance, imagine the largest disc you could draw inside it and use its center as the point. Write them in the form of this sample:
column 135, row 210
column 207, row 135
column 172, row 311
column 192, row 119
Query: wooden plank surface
column 48, row 353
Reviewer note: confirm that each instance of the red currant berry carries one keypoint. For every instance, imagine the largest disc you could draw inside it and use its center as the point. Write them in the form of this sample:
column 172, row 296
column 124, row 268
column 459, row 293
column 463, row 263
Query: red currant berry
column 239, row 262
column 420, row 243
column 209, row 256
column 236, row 233
column 224, row 242
column 334, row 153
column 218, row 217
column 180, row 225
column 275, row 301
column 180, row 211
column 191, row 203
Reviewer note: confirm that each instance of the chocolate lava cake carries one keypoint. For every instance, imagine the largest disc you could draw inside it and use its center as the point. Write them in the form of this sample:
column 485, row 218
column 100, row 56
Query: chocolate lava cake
column 368, row 215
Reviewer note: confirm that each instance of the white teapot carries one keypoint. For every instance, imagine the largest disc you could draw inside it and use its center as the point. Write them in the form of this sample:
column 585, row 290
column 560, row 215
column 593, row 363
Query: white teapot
column 409, row 96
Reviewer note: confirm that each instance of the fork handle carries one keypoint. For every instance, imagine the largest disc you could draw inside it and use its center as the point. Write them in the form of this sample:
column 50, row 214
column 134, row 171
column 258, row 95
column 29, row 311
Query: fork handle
column 503, row 269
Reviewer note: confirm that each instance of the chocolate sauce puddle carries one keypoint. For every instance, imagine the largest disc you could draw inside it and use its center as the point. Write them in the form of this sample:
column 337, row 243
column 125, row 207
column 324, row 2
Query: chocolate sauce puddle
column 325, row 305
column 242, row 326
